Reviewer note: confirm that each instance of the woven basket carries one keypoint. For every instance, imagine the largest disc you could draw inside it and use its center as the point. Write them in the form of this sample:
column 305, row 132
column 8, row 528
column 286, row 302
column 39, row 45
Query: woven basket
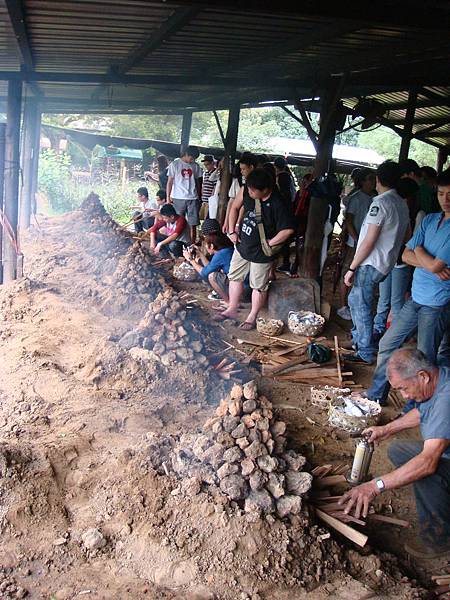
column 351, row 424
column 325, row 396
column 297, row 326
column 269, row 326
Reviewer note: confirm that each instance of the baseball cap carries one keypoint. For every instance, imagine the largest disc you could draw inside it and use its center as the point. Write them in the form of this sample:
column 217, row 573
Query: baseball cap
column 208, row 158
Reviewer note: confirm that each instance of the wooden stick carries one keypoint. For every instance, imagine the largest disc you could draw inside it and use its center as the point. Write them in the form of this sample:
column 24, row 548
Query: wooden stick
column 338, row 360
column 291, row 363
column 284, row 341
column 391, row 520
column 330, row 480
column 251, row 343
column 355, row 536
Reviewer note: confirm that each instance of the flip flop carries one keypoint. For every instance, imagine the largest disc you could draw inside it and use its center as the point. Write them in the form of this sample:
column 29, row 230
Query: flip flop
column 247, row 326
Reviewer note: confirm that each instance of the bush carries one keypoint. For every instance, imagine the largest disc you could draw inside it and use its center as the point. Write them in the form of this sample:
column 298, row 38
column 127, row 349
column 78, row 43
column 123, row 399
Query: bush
column 65, row 189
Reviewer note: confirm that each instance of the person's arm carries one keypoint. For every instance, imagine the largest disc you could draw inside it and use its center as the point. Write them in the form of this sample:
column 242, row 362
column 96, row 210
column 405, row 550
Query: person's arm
column 422, row 465
column 379, row 433
column 349, row 225
column 234, row 215
column 365, row 248
column 427, row 261
column 198, row 185
column 169, row 189
column 280, row 237
column 195, row 262
column 227, row 215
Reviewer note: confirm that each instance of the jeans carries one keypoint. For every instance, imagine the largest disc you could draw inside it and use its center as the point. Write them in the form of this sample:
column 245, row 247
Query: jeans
column 175, row 247
column 144, row 223
column 429, row 322
column 360, row 301
column 392, row 296
column 432, row 493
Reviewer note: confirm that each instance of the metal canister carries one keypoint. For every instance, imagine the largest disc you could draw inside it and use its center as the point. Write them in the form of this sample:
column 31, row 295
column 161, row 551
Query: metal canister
column 361, row 461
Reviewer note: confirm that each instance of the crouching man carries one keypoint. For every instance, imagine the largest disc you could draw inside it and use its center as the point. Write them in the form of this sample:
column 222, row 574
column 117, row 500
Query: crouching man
column 171, row 233
column 426, row 463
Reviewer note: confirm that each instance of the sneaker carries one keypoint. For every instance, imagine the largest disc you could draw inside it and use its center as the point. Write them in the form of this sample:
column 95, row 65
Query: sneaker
column 420, row 550
column 213, row 296
column 377, row 335
column 286, row 269
column 344, row 313
column 356, row 358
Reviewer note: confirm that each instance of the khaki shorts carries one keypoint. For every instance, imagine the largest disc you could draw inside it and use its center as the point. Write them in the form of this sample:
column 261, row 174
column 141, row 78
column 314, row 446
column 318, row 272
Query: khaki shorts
column 259, row 272
column 203, row 212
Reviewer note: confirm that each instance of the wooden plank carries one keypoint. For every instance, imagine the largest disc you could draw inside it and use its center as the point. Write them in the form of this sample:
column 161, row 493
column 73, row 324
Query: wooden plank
column 330, row 480
column 338, row 360
column 355, row 536
column 287, row 365
column 392, row 520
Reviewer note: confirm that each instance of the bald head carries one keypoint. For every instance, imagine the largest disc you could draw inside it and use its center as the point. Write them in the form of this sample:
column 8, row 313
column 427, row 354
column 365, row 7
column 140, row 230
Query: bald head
column 411, row 372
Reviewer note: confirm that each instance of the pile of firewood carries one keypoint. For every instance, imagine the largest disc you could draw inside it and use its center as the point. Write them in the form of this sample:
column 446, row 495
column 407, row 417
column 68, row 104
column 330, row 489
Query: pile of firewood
column 287, row 360
column 241, row 453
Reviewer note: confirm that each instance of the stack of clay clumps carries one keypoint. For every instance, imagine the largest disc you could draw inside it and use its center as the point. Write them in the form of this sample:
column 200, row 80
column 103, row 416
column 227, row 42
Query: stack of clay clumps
column 135, row 274
column 94, row 210
column 165, row 331
column 242, row 450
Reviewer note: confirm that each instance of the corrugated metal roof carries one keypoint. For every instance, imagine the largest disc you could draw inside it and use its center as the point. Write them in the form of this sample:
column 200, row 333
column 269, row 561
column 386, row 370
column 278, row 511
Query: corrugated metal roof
column 175, row 54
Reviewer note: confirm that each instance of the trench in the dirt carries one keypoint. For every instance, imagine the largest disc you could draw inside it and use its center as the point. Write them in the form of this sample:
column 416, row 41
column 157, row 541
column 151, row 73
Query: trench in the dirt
column 79, row 416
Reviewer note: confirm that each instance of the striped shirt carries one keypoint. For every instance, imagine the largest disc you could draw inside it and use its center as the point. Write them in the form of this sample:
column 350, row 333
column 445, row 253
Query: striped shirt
column 209, row 183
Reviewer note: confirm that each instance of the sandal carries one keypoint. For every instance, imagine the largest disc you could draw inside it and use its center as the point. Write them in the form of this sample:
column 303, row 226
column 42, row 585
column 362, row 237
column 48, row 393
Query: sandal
column 219, row 306
column 247, row 326
column 220, row 318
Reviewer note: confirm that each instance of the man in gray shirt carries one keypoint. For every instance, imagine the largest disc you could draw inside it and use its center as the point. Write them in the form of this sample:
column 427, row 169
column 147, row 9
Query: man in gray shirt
column 426, row 463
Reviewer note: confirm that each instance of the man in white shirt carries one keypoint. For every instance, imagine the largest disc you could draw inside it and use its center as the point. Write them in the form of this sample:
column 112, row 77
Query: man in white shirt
column 184, row 187
column 383, row 232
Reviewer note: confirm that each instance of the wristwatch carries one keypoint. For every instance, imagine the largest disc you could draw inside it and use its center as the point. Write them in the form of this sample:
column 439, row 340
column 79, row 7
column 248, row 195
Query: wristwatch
column 380, row 484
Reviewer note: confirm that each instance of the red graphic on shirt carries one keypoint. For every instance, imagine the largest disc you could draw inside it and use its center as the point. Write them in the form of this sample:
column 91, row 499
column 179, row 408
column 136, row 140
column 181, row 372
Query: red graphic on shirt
column 186, row 172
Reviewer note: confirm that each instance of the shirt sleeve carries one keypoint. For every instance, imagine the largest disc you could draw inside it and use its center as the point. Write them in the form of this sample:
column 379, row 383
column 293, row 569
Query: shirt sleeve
column 157, row 225
column 376, row 215
column 418, row 238
column 180, row 225
column 172, row 170
column 351, row 206
column 435, row 422
column 215, row 264
column 198, row 171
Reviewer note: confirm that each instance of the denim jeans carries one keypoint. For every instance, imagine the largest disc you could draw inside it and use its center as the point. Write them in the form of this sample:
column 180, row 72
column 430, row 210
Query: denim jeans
column 360, row 301
column 175, row 247
column 392, row 296
column 432, row 493
column 429, row 322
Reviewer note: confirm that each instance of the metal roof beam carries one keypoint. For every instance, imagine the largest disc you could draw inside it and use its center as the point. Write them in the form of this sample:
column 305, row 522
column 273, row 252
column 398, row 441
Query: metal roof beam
column 174, row 23
column 16, row 14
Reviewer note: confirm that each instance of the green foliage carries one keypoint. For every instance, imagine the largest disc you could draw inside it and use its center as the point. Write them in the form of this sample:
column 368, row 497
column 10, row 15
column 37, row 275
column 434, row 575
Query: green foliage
column 54, row 180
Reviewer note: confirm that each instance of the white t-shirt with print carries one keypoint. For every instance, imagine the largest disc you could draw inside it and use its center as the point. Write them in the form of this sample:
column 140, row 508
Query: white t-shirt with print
column 184, row 179
column 388, row 211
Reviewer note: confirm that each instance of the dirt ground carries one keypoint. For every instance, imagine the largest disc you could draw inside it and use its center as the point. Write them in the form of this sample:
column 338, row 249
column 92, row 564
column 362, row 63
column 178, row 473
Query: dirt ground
column 77, row 416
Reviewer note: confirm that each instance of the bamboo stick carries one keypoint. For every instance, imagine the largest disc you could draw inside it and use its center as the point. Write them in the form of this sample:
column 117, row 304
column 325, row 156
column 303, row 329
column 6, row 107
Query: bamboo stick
column 387, row 519
column 338, row 360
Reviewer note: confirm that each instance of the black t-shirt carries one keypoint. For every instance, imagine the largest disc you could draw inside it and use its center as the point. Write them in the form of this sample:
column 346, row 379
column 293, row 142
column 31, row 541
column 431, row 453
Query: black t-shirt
column 285, row 185
column 276, row 215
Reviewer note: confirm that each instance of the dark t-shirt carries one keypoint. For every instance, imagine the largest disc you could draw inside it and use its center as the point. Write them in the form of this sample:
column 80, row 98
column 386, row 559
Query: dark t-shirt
column 276, row 215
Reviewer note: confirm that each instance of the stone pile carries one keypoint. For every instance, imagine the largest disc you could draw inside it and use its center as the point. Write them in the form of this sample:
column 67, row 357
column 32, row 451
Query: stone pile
column 167, row 334
column 242, row 454
column 135, row 275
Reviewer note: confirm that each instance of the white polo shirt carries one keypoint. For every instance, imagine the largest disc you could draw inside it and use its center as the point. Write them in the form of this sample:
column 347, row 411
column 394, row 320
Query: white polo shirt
column 388, row 211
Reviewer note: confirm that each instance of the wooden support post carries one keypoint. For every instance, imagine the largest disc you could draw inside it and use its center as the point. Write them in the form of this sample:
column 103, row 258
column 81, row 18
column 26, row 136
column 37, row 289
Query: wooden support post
column 229, row 158
column 442, row 158
column 35, row 163
column 12, row 169
column 318, row 210
column 186, row 129
column 408, row 126
column 2, row 178
column 30, row 146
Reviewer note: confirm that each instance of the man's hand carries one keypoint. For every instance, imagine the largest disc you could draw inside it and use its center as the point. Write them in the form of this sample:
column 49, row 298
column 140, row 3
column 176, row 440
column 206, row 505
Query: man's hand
column 234, row 237
column 376, row 433
column 156, row 249
column 360, row 497
column 348, row 279
column 444, row 275
column 187, row 254
column 169, row 200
